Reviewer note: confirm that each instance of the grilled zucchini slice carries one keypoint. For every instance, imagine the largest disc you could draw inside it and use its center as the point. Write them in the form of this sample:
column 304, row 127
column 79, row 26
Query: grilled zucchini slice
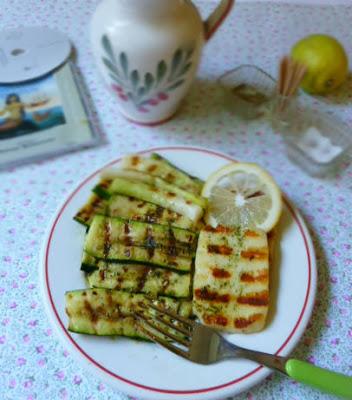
column 166, row 162
column 174, row 240
column 106, row 312
column 171, row 198
column 158, row 166
column 139, row 210
column 115, row 239
column 130, row 208
column 139, row 278
column 137, row 176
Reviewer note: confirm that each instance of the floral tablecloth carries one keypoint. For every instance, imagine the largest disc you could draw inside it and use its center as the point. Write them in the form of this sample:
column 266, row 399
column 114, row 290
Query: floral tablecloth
column 33, row 363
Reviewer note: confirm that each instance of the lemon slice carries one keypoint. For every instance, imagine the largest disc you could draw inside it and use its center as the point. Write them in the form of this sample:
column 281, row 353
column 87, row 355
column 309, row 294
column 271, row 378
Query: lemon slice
column 242, row 194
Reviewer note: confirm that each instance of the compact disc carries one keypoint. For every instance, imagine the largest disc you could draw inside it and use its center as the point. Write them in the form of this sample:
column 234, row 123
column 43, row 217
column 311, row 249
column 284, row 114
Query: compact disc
column 28, row 53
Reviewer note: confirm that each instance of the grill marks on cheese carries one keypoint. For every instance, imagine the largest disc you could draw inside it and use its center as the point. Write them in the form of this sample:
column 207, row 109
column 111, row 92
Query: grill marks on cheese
column 256, row 299
column 254, row 254
column 206, row 294
column 225, row 250
column 231, row 283
column 242, row 323
column 262, row 276
column 220, row 273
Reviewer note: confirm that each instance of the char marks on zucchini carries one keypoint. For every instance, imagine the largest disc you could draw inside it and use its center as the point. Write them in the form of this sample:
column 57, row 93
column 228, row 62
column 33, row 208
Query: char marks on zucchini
column 160, row 193
column 130, row 208
column 106, row 239
column 160, row 167
column 138, row 278
column 141, row 241
column 106, row 312
column 95, row 205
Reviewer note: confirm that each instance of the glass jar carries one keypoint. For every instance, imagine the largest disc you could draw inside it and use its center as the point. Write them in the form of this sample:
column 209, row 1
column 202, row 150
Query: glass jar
column 249, row 91
column 314, row 140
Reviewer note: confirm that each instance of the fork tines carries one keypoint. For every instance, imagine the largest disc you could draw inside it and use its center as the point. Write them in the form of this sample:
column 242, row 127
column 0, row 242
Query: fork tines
column 170, row 326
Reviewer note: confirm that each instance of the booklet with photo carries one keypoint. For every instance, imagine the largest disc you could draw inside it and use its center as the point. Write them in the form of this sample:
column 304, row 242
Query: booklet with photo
column 44, row 117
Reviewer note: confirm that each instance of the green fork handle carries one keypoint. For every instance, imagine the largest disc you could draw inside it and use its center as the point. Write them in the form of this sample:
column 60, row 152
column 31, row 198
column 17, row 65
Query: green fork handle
column 323, row 379
column 301, row 371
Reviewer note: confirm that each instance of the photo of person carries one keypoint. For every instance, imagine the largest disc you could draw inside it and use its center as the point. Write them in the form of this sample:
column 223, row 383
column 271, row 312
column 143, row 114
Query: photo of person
column 29, row 108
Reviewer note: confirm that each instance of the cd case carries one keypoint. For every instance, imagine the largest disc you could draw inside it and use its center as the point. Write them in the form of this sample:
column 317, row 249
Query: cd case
column 45, row 117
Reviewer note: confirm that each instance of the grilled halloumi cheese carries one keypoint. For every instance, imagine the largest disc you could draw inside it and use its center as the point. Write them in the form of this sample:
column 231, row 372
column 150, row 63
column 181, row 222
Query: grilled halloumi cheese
column 231, row 280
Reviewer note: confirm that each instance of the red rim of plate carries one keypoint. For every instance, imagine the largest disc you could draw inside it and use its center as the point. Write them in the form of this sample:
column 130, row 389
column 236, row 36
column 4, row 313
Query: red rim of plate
column 136, row 384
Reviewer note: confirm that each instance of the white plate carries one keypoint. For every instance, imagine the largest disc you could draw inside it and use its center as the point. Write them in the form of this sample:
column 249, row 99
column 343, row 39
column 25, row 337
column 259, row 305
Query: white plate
column 144, row 369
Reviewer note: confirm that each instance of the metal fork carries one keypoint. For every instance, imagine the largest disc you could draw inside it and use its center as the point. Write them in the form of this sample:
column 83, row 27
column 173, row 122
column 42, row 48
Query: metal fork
column 203, row 345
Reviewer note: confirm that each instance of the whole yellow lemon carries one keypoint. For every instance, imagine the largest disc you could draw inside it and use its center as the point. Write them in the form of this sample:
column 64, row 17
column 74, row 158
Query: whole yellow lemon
column 326, row 62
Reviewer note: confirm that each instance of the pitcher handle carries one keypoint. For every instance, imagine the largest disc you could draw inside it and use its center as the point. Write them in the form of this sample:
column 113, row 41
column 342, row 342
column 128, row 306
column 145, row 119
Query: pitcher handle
column 217, row 17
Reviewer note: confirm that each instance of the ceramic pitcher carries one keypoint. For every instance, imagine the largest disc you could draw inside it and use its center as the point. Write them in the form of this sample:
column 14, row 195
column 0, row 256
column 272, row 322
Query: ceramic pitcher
column 148, row 52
